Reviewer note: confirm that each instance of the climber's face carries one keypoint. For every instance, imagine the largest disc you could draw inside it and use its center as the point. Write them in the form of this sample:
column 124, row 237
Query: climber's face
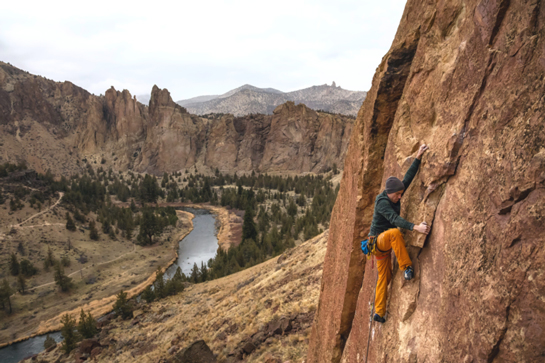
column 395, row 197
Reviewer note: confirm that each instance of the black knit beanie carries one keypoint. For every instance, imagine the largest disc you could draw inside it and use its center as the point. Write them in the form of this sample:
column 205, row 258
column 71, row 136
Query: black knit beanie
column 393, row 185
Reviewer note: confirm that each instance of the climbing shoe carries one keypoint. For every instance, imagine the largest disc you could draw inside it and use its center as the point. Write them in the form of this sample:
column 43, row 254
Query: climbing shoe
column 379, row 318
column 409, row 273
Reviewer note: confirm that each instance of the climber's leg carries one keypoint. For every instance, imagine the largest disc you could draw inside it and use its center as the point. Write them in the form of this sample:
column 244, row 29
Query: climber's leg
column 384, row 266
column 393, row 239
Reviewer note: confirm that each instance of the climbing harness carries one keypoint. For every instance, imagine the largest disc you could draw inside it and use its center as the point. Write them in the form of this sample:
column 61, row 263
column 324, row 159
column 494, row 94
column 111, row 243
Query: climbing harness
column 369, row 248
column 372, row 314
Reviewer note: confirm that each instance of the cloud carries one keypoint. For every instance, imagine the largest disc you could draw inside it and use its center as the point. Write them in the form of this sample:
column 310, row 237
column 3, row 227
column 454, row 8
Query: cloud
column 205, row 47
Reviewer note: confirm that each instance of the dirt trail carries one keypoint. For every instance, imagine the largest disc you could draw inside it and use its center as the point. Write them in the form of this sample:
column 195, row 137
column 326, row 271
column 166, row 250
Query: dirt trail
column 85, row 268
column 61, row 194
column 101, row 306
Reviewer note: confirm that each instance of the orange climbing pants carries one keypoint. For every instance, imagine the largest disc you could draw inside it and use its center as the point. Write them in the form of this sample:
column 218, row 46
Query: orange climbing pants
column 386, row 241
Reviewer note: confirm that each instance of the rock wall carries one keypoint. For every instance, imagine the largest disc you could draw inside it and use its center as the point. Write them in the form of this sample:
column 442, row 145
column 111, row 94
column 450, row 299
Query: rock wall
column 465, row 77
column 54, row 125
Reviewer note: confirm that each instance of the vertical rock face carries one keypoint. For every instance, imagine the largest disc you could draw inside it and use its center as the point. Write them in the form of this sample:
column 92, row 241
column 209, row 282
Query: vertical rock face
column 465, row 77
column 72, row 124
column 302, row 139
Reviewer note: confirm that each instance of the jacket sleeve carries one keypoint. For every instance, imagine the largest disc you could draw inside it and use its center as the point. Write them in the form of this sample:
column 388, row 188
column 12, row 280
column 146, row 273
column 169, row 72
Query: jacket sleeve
column 386, row 210
column 410, row 174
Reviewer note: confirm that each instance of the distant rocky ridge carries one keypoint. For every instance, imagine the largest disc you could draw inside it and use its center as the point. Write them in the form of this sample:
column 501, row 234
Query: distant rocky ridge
column 249, row 99
column 60, row 126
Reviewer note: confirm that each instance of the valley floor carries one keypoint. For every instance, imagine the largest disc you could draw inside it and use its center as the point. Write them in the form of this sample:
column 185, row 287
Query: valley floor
column 261, row 314
column 112, row 266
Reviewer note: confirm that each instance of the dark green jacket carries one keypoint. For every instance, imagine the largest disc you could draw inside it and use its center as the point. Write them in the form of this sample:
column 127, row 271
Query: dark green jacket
column 386, row 214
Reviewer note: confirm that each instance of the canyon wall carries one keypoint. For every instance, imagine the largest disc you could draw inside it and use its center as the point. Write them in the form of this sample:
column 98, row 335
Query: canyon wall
column 466, row 78
column 60, row 126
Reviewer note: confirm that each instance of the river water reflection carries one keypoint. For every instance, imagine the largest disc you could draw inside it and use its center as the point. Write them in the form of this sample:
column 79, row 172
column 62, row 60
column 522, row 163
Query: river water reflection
column 198, row 246
column 18, row 351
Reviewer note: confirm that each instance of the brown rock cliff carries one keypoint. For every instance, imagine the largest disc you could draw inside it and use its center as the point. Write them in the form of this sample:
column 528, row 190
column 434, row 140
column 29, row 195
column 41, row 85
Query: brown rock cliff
column 53, row 125
column 465, row 77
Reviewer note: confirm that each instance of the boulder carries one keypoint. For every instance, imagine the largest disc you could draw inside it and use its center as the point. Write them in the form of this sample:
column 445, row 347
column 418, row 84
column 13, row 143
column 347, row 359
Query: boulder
column 87, row 345
column 95, row 352
column 248, row 347
column 279, row 326
column 197, row 352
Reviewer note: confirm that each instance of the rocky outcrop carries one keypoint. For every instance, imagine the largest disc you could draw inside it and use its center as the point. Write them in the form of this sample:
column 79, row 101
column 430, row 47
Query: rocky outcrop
column 249, row 99
column 55, row 125
column 467, row 79
column 198, row 352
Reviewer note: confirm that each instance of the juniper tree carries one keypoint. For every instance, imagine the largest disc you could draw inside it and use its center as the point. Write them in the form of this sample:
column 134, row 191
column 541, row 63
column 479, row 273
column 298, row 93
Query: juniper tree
column 203, row 272
column 63, row 281
column 122, row 307
column 195, row 275
column 87, row 327
column 49, row 259
column 70, row 223
column 5, row 294
column 159, row 284
column 248, row 226
column 21, row 284
column 93, row 232
column 21, row 249
column 65, row 261
column 14, row 265
column 69, row 333
column 27, row 268
column 49, row 342
column 148, row 294
column 150, row 225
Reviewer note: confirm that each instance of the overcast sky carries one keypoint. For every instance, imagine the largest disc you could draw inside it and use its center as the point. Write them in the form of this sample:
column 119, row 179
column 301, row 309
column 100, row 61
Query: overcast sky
column 199, row 47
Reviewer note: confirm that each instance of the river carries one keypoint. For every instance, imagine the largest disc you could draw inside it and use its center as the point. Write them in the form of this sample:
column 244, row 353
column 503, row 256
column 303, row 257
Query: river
column 198, row 246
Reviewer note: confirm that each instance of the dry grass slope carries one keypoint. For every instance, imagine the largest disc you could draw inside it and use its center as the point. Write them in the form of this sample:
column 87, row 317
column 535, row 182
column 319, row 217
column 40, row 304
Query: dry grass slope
column 266, row 310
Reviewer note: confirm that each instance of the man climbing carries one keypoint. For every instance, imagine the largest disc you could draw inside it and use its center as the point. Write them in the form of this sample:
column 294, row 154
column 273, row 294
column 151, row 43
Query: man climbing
column 385, row 220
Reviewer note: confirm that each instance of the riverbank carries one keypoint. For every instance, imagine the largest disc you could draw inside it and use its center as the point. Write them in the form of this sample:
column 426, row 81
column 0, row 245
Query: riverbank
column 230, row 220
column 230, row 224
column 122, row 274
column 260, row 314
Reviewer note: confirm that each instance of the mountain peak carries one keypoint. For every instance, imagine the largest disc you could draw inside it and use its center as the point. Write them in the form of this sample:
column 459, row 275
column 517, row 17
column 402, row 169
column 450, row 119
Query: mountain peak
column 248, row 99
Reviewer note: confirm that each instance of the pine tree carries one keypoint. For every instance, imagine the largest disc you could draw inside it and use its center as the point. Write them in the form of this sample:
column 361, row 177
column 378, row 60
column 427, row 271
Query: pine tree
column 21, row 284
column 106, row 227
column 159, row 284
column 195, row 274
column 177, row 280
column 87, row 327
column 65, row 261
column 70, row 223
column 49, row 259
column 204, row 272
column 148, row 294
column 122, row 307
column 27, row 268
column 78, row 216
column 93, row 232
column 21, row 249
column 49, row 342
column 292, row 208
column 5, row 294
column 69, row 333
column 63, row 281
column 150, row 225
column 248, row 226
column 14, row 265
